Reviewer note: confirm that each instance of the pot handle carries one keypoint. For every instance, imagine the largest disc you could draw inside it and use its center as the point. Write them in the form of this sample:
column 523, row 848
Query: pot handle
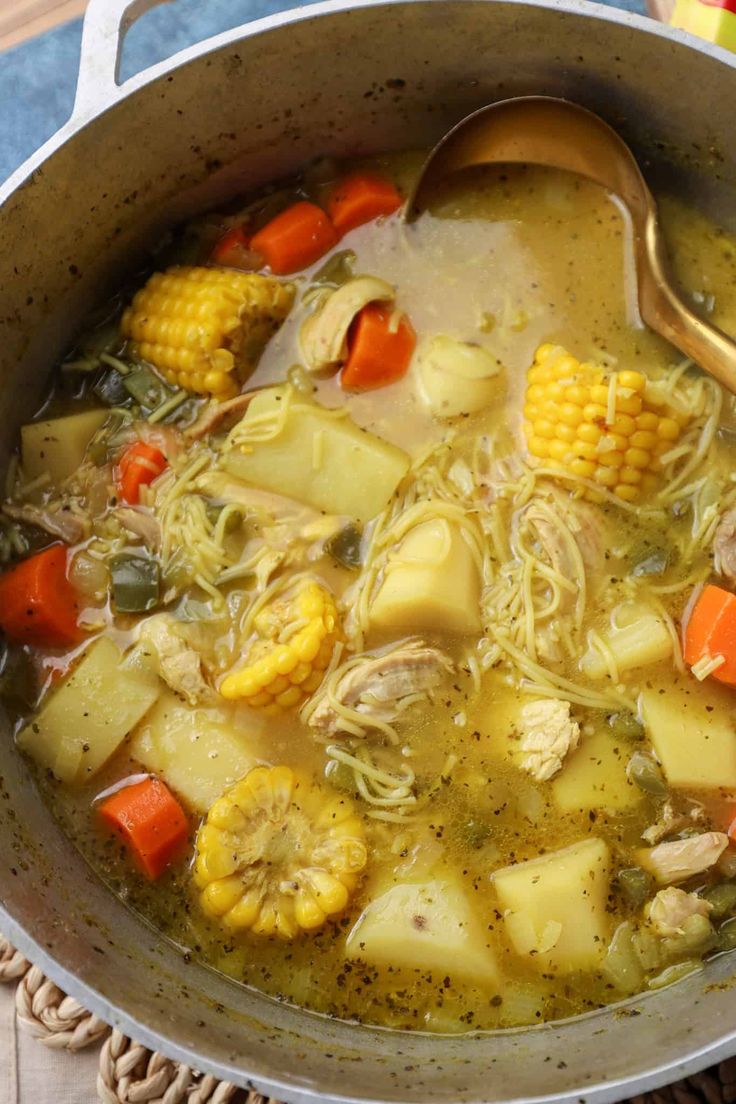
column 103, row 32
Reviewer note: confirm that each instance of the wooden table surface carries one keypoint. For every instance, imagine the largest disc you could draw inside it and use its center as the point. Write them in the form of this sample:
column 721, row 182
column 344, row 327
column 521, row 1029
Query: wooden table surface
column 21, row 19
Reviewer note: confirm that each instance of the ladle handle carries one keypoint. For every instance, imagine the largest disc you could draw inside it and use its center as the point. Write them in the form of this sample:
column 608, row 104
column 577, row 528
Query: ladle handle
column 665, row 311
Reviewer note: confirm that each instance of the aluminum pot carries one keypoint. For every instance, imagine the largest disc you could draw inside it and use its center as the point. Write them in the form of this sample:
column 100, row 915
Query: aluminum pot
column 233, row 112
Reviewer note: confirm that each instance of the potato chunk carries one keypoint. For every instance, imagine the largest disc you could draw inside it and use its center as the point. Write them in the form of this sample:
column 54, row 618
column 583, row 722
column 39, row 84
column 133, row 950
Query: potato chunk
column 198, row 752
column 456, row 377
column 426, row 926
column 595, row 777
column 693, row 733
column 431, row 583
column 58, row 446
column 89, row 716
column 324, row 461
column 555, row 906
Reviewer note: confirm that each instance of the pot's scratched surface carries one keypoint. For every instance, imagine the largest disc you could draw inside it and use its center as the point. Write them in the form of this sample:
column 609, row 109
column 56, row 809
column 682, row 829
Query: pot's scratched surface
column 38, row 77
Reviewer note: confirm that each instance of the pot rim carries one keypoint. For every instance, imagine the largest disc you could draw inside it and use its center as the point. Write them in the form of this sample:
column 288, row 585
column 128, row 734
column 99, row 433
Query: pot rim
column 601, row 1092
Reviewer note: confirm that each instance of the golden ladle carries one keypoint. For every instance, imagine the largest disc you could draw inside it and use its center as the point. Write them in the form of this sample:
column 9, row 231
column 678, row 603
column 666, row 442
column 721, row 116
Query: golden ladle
column 542, row 130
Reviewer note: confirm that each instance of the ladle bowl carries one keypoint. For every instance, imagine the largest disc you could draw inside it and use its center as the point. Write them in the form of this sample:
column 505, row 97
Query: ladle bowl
column 544, row 130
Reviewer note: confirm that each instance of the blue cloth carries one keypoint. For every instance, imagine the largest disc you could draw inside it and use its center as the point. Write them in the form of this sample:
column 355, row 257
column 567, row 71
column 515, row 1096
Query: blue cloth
column 38, row 78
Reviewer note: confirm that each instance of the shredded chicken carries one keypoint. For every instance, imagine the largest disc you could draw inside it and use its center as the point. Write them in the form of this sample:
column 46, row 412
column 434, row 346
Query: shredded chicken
column 323, row 336
column 672, row 821
column 587, row 532
column 548, row 734
column 142, row 524
column 178, row 664
column 671, row 907
column 678, row 860
column 724, row 546
column 215, row 413
column 70, row 525
column 381, row 687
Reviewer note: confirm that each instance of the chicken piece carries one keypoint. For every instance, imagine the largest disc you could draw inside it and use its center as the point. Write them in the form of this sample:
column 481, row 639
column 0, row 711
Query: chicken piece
column 671, row 821
column 678, row 860
column 141, row 523
column 63, row 522
column 323, row 336
column 548, row 735
column 381, row 687
column 672, row 907
column 578, row 522
column 724, row 546
column 215, row 413
column 177, row 663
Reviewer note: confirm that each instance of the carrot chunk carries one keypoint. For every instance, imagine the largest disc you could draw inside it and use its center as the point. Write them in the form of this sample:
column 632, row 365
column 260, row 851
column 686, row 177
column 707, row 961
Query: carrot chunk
column 38, row 604
column 361, row 197
column 711, row 632
column 296, row 238
column 380, row 347
column 233, row 249
column 139, row 465
column 150, row 821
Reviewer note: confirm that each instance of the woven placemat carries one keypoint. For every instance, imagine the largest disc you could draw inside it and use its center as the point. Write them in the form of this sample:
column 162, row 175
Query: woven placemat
column 131, row 1074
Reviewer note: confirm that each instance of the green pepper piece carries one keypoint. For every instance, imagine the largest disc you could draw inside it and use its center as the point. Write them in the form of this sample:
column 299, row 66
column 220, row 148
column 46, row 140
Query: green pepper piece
column 649, row 559
column 144, row 386
column 345, row 547
column 338, row 270
column 136, row 582
column 635, row 884
column 625, row 726
column 727, row 935
column 643, row 770
column 723, row 899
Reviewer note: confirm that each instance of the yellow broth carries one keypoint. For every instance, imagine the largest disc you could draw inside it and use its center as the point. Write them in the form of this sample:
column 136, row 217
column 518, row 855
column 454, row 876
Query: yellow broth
column 511, row 259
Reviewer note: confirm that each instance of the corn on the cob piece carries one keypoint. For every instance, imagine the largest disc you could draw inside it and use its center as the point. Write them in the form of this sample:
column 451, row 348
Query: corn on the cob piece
column 285, row 666
column 595, row 425
column 204, row 328
column 278, row 854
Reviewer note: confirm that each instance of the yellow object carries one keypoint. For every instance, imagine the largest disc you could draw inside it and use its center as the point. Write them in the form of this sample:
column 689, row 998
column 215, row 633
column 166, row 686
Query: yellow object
column 86, row 720
column 594, row 424
column 714, row 23
column 594, row 777
column 692, row 732
column 198, row 752
column 284, row 667
column 57, row 447
column 638, row 637
column 297, row 448
column 204, row 328
column 424, row 926
column 277, row 854
column 431, row 583
column 555, row 907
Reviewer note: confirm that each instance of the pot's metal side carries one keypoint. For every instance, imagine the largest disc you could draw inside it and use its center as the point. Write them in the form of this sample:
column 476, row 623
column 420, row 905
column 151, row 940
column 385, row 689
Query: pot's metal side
column 253, row 106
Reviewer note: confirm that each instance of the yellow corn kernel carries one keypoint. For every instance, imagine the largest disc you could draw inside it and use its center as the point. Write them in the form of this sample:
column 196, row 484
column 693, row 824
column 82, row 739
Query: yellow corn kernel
column 282, row 676
column 607, row 477
column 635, row 381
column 612, row 441
column 668, row 429
column 531, row 412
column 565, row 367
column 594, row 412
column 554, row 392
column 584, row 450
column 647, row 420
column 637, row 458
column 630, row 475
column 544, row 352
column 578, row 394
column 570, row 414
column 599, row 394
column 611, row 458
column 204, row 328
column 536, row 393
column 626, row 492
column 623, row 424
column 539, row 447
column 585, row 468
column 590, row 433
column 542, row 427
column 565, row 432
column 559, row 450
column 628, row 404
column 296, row 852
column 537, row 375
column 643, row 439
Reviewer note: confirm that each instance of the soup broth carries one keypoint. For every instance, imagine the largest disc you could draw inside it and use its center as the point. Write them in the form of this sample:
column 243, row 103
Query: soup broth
column 401, row 689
